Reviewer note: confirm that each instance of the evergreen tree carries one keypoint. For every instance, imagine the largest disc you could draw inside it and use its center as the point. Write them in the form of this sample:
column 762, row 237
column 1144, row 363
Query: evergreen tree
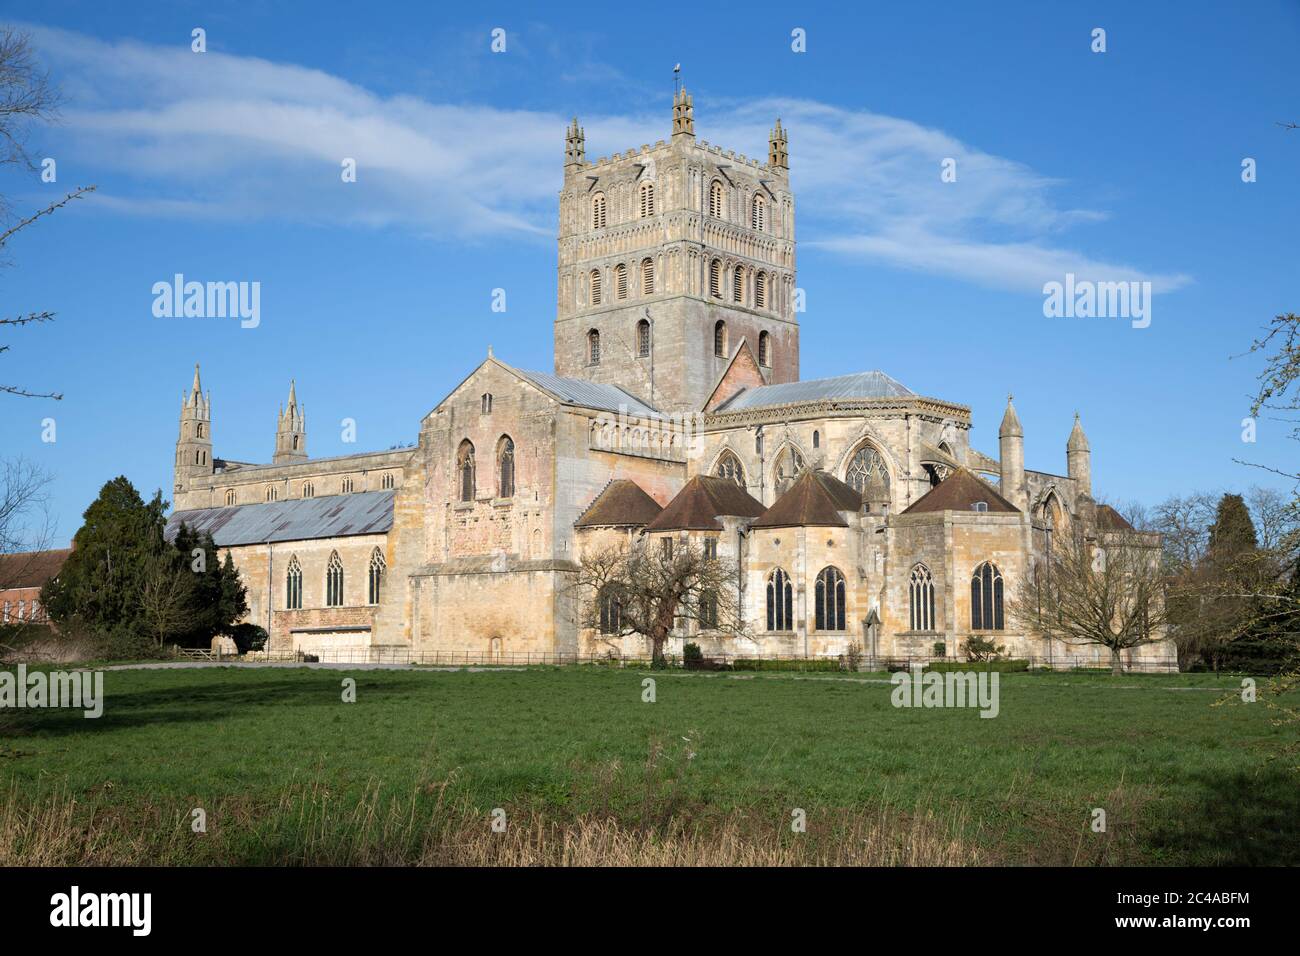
column 1232, row 536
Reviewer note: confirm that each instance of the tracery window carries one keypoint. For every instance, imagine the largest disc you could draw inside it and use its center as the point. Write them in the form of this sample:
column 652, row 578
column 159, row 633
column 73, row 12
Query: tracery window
column 465, row 470
column 293, row 585
column 986, row 612
column 506, row 467
column 780, row 602
column 334, row 581
column 865, row 464
column 921, row 599
column 729, row 467
column 377, row 568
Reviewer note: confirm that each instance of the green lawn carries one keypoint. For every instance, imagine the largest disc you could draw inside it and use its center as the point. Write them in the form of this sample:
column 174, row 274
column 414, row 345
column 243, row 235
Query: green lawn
column 1182, row 781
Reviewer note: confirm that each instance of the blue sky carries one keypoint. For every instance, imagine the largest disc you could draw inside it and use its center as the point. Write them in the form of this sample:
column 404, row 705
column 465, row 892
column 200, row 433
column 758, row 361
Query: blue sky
column 225, row 166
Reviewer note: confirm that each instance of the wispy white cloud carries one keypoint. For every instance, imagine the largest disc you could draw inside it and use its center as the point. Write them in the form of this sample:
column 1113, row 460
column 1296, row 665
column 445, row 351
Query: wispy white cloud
column 216, row 135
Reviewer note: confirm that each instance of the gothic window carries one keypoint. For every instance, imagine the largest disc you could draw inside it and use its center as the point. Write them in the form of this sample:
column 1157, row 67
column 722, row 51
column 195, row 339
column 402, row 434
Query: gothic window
column 593, row 347
column 715, row 199
column 308, row 489
column 465, row 469
column 230, row 497
column 708, row 609
column 197, row 459
column 986, row 598
column 643, row 339
column 347, row 485
column 780, row 602
column 272, row 493
column 788, row 465
column 386, row 482
column 485, row 403
column 598, row 211
column 620, row 281
column 764, row 349
column 921, row 599
column 611, row 612
column 334, row 581
column 720, row 339
column 866, row 464
column 738, row 285
column 595, row 287
column 758, row 214
column 760, row 291
column 729, row 467
column 295, row 442
column 505, row 467
column 647, row 199
column 817, row 439
column 830, row 600
column 715, row 278
column 293, row 585
column 377, row 568
column 198, row 430
column 647, row 277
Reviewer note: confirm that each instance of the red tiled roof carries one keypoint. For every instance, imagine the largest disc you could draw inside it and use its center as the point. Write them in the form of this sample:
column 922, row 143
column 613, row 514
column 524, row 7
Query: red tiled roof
column 814, row 500
column 622, row 503
column 958, row 492
column 31, row 569
column 697, row 506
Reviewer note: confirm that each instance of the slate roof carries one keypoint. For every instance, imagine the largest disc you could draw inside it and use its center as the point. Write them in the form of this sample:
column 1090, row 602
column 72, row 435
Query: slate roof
column 31, row 569
column 858, row 385
column 621, row 504
column 702, row 499
column 958, row 492
column 300, row 519
column 576, row 391
column 814, row 500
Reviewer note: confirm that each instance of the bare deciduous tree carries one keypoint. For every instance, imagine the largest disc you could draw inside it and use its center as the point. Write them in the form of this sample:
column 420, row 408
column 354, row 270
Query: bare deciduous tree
column 643, row 589
column 1103, row 591
column 165, row 600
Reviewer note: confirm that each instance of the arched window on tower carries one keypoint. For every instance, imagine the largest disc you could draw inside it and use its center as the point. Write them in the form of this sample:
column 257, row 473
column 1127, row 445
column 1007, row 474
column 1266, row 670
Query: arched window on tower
column 758, row 213
column 715, row 199
column 829, row 614
column 921, row 599
column 729, row 467
column 620, row 281
column 230, row 496
column 760, row 291
column 780, row 602
column 647, row 199
column 505, row 467
column 377, row 567
column 334, row 581
column 598, row 211
column 643, row 339
column 647, row 277
column 986, row 598
column 293, row 585
column 715, row 278
column 720, row 339
column 765, row 349
column 595, row 287
column 738, row 284
column 465, row 470
column 593, row 347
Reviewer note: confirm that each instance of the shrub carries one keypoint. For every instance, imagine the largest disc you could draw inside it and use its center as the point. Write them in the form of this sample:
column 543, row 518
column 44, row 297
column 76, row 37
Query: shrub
column 1001, row 666
column 775, row 664
column 983, row 648
column 940, row 649
column 248, row 637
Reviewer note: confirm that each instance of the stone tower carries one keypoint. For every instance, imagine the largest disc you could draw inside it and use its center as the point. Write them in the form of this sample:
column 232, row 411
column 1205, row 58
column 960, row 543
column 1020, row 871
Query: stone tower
column 669, row 257
column 291, row 431
column 1011, row 459
column 1078, row 459
column 194, row 441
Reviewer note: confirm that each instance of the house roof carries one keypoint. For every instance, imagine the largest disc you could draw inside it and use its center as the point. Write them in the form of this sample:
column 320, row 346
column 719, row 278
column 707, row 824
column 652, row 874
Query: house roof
column 858, row 385
column 816, row 499
column 31, row 569
column 701, row 501
column 301, row 519
column 1111, row 520
column 958, row 492
column 622, row 503
column 577, row 391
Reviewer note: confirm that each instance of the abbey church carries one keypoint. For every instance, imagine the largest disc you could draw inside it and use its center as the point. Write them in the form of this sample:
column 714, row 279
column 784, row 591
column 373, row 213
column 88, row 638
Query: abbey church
column 856, row 510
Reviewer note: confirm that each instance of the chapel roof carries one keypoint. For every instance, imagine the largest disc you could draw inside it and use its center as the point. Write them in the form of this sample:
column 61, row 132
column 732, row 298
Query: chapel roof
column 874, row 384
column 816, row 499
column 959, row 492
column 621, row 504
column 702, row 501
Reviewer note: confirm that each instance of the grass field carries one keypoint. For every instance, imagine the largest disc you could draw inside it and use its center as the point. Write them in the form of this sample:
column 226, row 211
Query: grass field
column 287, row 772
